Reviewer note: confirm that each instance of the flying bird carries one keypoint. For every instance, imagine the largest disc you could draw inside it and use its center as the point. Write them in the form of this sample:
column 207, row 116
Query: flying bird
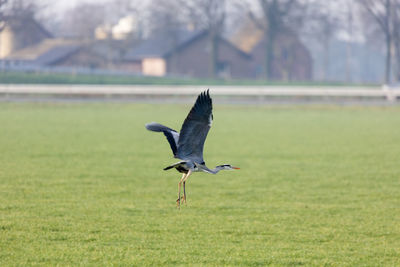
column 188, row 144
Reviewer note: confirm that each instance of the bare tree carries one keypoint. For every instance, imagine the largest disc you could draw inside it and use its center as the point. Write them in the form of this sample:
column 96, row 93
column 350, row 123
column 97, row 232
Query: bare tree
column 163, row 18
column 209, row 15
column 396, row 36
column 138, row 9
column 276, row 16
column 17, row 9
column 82, row 20
column 166, row 24
column 173, row 16
column 2, row 15
column 322, row 25
column 380, row 13
column 349, row 27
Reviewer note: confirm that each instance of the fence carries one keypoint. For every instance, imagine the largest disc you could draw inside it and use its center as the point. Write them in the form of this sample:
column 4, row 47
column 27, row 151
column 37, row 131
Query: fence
column 389, row 93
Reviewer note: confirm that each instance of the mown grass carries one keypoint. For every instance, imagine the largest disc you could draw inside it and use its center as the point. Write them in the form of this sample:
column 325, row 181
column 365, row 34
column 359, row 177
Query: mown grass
column 63, row 78
column 82, row 185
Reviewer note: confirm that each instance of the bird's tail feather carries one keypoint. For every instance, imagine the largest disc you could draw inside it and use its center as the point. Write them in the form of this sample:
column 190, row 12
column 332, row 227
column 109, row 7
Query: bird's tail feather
column 174, row 165
column 167, row 168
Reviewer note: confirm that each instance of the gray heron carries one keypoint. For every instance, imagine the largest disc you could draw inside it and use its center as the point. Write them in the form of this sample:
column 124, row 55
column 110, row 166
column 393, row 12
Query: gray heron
column 189, row 143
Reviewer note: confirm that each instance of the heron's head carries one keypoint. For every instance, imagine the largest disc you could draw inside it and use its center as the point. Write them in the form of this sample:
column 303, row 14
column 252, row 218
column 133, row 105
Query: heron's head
column 227, row 167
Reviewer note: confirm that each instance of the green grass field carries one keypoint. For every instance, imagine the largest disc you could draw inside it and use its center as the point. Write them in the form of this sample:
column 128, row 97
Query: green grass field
column 82, row 184
column 63, row 78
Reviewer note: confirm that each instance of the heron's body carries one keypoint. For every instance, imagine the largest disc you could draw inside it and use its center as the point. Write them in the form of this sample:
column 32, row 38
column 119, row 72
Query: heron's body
column 183, row 167
column 189, row 143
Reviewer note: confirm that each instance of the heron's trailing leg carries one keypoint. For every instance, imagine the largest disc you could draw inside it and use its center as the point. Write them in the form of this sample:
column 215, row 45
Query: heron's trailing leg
column 184, row 192
column 178, row 201
column 184, row 182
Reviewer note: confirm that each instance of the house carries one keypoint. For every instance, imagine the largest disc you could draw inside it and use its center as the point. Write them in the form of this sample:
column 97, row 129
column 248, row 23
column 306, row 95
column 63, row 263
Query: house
column 21, row 32
column 188, row 54
column 58, row 52
column 73, row 54
column 26, row 43
column 291, row 58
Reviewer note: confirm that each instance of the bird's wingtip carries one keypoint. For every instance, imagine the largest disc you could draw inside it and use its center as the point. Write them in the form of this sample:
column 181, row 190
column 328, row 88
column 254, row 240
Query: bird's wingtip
column 151, row 126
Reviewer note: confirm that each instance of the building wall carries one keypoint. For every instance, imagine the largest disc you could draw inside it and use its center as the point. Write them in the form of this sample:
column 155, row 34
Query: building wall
column 133, row 66
column 82, row 58
column 291, row 60
column 194, row 60
column 154, row 66
column 239, row 64
column 6, row 42
column 191, row 61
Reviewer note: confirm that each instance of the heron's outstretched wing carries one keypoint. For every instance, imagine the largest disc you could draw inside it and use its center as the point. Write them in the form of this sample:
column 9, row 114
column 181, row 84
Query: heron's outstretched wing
column 195, row 129
column 172, row 135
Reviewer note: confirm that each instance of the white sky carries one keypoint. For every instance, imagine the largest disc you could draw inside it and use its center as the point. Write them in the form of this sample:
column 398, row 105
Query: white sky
column 61, row 5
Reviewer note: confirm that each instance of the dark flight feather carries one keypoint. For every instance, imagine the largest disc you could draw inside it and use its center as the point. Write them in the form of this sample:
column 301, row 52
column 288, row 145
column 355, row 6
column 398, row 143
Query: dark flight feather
column 195, row 129
column 172, row 135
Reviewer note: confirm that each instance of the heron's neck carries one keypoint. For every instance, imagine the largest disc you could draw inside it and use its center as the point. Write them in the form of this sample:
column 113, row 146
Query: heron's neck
column 205, row 169
column 217, row 169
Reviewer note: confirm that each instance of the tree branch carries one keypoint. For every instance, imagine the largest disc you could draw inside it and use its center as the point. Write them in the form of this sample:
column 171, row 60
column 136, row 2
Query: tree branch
column 380, row 20
column 256, row 22
column 287, row 7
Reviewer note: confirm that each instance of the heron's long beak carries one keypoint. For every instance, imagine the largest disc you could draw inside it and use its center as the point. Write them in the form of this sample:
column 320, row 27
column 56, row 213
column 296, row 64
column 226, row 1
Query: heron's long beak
column 236, row 168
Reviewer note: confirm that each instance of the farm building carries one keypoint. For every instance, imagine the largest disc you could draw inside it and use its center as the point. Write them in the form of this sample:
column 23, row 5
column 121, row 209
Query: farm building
column 188, row 54
column 19, row 33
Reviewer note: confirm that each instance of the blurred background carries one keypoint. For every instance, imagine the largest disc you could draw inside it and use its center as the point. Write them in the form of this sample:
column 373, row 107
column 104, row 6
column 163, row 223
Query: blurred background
column 291, row 41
